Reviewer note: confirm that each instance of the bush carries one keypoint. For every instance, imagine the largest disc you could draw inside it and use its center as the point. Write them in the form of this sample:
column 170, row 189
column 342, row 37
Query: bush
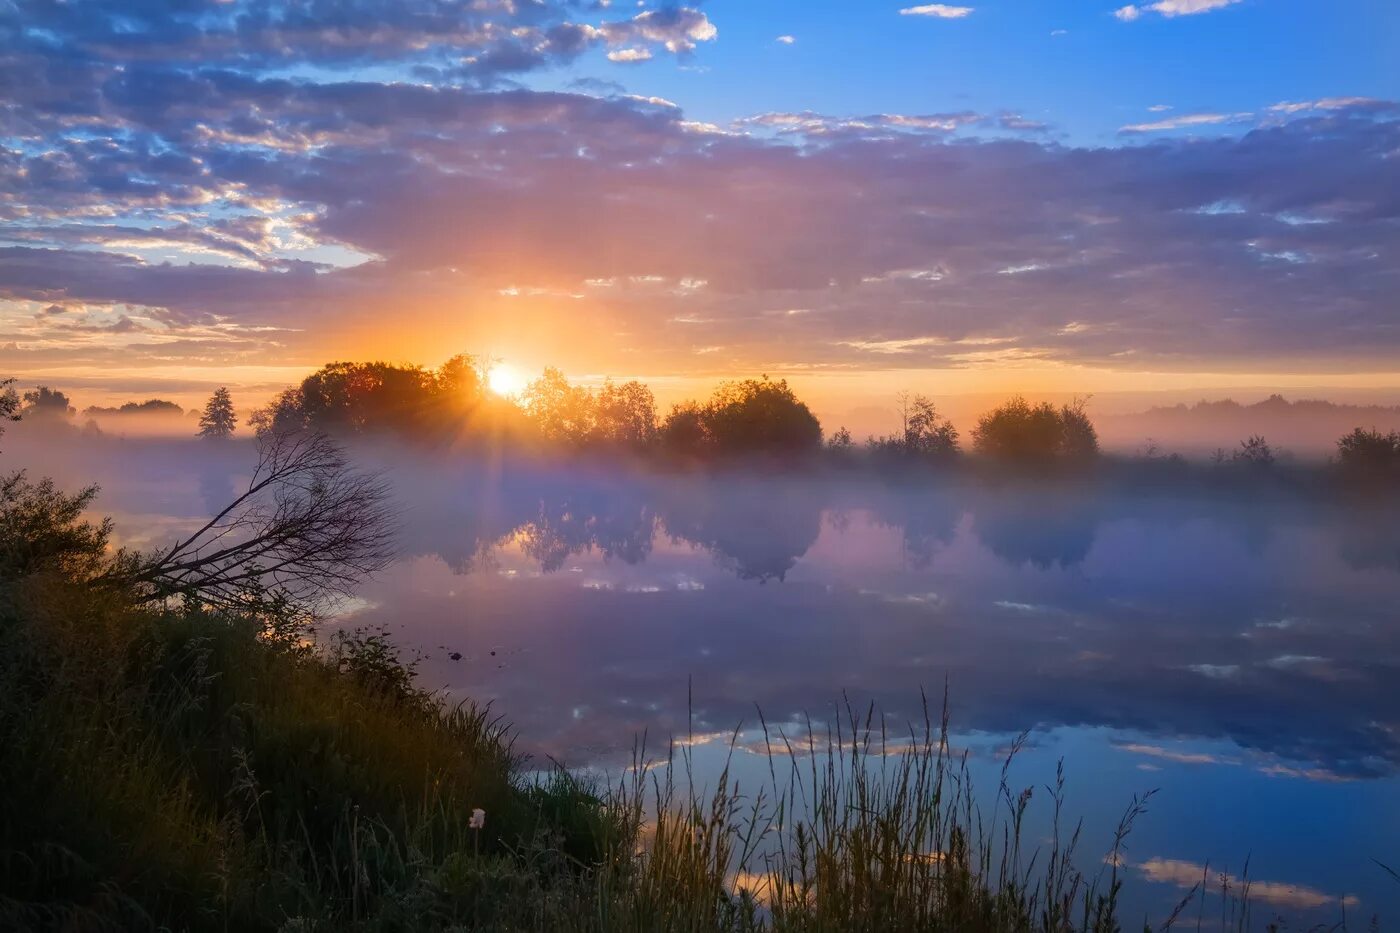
column 1023, row 434
column 1370, row 454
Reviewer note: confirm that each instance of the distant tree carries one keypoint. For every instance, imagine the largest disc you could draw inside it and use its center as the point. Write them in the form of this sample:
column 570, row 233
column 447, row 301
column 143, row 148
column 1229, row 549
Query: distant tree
column 563, row 413
column 1255, row 452
column 760, row 416
column 1369, row 453
column 218, row 420
column 45, row 404
column 1022, row 433
column 840, row 441
column 153, row 406
column 625, row 415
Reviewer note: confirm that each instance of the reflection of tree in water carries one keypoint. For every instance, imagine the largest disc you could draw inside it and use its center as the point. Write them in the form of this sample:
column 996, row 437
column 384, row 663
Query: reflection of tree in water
column 1044, row 527
column 618, row 524
column 928, row 521
column 758, row 531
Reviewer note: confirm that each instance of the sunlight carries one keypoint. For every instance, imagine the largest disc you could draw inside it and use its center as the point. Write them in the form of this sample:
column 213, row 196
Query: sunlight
column 505, row 380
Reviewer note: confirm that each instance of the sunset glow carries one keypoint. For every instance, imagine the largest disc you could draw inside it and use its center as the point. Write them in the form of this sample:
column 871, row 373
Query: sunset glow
column 948, row 199
column 505, row 380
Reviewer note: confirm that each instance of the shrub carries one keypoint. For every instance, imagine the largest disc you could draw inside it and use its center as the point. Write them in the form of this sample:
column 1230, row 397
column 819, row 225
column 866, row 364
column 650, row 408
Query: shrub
column 1020, row 433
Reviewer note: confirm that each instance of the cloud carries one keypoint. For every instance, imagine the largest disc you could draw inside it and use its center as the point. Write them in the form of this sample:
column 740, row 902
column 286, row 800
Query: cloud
column 937, row 10
column 1333, row 103
column 786, row 40
column 1185, row 121
column 182, row 172
column 1279, row 894
column 629, row 55
column 1171, row 8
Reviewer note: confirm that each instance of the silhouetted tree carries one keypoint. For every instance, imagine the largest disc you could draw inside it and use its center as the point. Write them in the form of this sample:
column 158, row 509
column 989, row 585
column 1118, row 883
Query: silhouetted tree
column 1255, row 452
column 625, row 415
column 153, row 406
column 218, row 420
column 1021, row 433
column 306, row 527
column 1370, row 453
column 923, row 434
column 1080, row 441
column 685, row 433
column 45, row 404
column 760, row 416
column 9, row 403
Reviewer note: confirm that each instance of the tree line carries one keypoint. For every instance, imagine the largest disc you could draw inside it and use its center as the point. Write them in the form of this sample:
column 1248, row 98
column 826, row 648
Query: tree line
column 746, row 418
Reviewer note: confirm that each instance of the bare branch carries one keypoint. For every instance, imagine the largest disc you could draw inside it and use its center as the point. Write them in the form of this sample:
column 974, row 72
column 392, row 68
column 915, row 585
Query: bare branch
column 307, row 527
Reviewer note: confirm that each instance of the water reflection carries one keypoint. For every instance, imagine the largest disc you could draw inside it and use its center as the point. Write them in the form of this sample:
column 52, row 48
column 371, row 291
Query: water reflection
column 1271, row 628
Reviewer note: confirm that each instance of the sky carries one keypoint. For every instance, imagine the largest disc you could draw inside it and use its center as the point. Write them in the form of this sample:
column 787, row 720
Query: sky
column 1182, row 195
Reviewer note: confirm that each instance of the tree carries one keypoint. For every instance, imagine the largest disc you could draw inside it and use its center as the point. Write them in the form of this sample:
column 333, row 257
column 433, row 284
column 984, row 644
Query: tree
column 625, row 415
column 9, row 403
column 760, row 416
column 218, row 420
column 563, row 413
column 1369, row 453
column 1255, row 452
column 306, row 528
column 45, row 404
column 1021, row 433
column 685, row 433
column 1079, row 441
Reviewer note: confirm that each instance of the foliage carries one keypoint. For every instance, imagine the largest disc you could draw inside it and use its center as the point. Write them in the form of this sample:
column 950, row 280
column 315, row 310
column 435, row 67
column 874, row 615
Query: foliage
column 9, row 403
column 344, row 399
column 1255, row 453
column 924, row 435
column 1370, row 454
column 742, row 418
column 218, row 419
column 1020, row 433
column 46, row 404
column 152, row 406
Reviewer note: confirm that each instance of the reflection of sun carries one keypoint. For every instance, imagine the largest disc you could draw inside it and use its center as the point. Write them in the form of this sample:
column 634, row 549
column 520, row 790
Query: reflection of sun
column 505, row 380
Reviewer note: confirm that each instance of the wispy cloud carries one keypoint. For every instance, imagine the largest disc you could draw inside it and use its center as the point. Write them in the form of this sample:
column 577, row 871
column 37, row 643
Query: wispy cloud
column 1281, row 894
column 937, row 10
column 786, row 40
column 1331, row 103
column 1185, row 121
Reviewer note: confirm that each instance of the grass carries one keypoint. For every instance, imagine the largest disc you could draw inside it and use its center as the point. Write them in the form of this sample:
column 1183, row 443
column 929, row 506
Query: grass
column 189, row 770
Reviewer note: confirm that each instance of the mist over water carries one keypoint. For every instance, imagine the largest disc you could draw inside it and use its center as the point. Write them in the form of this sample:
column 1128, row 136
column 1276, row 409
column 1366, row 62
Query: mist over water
column 1239, row 651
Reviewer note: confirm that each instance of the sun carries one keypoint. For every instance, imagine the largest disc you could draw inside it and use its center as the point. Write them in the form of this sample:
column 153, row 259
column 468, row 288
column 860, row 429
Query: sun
column 505, row 380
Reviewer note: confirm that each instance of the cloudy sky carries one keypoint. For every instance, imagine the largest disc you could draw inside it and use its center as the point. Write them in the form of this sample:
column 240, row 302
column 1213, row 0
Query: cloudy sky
column 1009, row 195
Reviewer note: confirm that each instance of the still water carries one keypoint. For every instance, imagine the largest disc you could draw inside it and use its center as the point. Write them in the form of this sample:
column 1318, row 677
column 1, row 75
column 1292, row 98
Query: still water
column 1241, row 653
